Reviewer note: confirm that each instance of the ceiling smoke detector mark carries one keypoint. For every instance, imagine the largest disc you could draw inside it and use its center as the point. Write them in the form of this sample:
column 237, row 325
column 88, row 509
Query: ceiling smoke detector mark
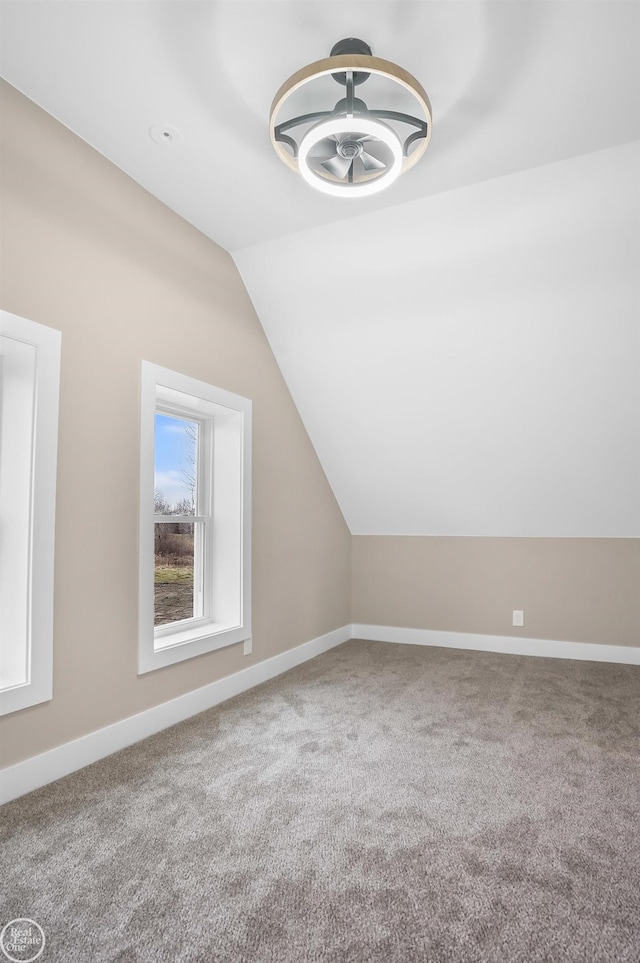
column 165, row 134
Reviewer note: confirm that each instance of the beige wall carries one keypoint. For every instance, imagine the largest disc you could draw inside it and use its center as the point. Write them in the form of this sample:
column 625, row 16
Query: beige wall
column 88, row 251
column 571, row 589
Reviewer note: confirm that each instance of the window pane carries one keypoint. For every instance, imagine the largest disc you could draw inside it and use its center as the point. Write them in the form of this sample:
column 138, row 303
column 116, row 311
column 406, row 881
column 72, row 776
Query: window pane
column 176, row 465
column 17, row 399
column 175, row 589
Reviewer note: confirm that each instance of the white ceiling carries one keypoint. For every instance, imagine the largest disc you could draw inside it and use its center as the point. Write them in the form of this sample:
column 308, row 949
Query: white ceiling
column 468, row 364
column 513, row 85
column 463, row 348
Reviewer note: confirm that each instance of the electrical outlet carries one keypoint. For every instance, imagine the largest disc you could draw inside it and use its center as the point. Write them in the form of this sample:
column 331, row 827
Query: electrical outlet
column 247, row 646
column 518, row 617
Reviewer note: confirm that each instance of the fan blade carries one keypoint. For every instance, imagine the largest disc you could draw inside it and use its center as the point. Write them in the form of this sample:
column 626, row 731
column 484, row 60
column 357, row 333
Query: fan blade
column 338, row 166
column 324, row 148
column 370, row 162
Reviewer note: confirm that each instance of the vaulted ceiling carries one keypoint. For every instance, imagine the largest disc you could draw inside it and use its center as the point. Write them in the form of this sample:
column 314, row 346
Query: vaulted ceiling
column 463, row 348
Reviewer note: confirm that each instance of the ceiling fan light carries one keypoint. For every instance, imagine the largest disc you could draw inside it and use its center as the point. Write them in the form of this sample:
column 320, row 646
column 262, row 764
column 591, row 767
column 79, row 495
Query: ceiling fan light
column 344, row 125
column 331, row 145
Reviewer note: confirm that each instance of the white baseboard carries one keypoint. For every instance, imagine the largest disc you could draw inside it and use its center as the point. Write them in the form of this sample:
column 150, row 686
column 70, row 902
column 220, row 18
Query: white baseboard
column 513, row 645
column 39, row 770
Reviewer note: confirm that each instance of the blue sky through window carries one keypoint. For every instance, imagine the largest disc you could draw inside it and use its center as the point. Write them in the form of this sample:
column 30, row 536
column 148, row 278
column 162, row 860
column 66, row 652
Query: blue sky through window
column 172, row 447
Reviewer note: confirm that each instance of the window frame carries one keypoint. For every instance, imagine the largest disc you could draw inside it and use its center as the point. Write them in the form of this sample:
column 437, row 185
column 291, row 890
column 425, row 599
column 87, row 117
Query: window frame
column 225, row 457
column 47, row 341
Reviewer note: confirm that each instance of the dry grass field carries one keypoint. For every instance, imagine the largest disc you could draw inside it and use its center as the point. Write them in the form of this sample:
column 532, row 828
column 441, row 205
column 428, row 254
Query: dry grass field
column 173, row 588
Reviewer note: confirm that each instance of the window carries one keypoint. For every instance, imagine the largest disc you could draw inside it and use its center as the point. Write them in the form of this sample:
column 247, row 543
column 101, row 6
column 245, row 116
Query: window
column 195, row 526
column 29, row 392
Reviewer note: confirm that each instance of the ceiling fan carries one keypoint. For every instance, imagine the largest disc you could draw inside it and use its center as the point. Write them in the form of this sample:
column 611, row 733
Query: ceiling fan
column 351, row 150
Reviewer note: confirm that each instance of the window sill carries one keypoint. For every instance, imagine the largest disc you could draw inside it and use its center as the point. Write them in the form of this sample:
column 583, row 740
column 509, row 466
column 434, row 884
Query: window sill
column 24, row 695
column 190, row 642
column 193, row 633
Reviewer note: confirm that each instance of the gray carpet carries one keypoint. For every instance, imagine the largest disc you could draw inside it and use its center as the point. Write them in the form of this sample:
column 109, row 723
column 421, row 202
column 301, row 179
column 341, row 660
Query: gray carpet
column 381, row 804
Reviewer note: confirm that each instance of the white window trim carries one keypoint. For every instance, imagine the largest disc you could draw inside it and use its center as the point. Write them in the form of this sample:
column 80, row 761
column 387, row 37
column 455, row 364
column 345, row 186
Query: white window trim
column 169, row 645
column 47, row 342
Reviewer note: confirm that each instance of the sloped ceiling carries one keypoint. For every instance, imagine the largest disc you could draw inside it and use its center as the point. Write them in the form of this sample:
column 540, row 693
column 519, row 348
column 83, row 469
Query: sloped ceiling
column 463, row 348
column 467, row 364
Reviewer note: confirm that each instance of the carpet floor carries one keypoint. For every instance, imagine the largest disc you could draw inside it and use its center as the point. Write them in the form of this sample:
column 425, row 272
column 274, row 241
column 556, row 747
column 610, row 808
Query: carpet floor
column 380, row 804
